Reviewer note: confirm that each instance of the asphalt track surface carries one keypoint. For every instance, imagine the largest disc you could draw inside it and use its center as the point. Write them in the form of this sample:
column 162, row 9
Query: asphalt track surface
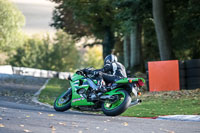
column 18, row 115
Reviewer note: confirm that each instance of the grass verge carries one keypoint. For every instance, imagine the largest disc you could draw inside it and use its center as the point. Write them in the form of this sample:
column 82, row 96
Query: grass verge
column 52, row 90
column 158, row 107
column 184, row 102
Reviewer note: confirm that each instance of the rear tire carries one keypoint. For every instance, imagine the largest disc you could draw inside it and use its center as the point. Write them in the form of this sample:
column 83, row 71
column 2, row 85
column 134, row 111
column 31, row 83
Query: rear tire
column 63, row 102
column 118, row 106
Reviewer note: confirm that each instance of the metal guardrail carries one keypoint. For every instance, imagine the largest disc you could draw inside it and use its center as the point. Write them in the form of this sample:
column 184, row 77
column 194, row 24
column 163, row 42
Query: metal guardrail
column 8, row 69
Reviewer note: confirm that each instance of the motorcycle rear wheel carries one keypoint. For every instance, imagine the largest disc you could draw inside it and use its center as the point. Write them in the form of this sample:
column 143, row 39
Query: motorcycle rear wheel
column 119, row 106
column 63, row 102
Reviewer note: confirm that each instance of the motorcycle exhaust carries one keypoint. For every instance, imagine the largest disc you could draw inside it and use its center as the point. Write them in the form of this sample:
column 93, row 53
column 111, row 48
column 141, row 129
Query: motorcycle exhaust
column 137, row 101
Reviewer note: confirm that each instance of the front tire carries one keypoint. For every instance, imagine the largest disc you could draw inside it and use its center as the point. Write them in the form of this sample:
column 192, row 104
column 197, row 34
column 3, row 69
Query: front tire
column 63, row 102
column 119, row 106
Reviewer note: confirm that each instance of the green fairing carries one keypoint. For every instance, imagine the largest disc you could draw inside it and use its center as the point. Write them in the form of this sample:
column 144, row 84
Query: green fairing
column 95, row 81
column 76, row 77
column 78, row 100
column 113, row 92
column 126, row 80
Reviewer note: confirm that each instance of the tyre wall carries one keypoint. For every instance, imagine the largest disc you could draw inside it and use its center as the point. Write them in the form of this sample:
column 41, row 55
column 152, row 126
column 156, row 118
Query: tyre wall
column 189, row 74
column 192, row 72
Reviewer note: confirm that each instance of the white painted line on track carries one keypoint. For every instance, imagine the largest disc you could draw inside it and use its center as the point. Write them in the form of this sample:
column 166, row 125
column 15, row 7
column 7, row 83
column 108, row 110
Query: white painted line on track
column 35, row 96
column 180, row 117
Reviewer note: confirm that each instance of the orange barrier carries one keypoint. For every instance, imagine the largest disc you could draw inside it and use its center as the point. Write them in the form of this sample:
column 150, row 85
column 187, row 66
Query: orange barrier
column 164, row 75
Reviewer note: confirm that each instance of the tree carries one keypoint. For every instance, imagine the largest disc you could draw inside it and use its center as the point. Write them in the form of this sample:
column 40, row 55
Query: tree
column 60, row 54
column 120, row 17
column 32, row 53
column 97, row 18
column 183, row 20
column 92, row 57
column 126, row 51
column 135, row 47
column 131, row 14
column 164, row 40
column 65, row 55
column 11, row 21
column 63, row 19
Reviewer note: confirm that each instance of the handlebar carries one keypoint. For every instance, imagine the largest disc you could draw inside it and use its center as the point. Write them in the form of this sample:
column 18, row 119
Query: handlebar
column 81, row 72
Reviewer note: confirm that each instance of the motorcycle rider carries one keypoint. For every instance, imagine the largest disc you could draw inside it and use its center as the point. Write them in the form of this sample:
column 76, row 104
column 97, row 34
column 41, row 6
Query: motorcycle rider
column 112, row 71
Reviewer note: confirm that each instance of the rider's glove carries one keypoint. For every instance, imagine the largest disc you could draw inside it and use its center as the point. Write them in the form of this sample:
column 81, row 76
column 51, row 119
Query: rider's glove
column 86, row 70
column 95, row 73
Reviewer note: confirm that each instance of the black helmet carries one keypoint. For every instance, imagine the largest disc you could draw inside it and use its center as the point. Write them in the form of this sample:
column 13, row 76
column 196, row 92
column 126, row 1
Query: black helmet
column 110, row 58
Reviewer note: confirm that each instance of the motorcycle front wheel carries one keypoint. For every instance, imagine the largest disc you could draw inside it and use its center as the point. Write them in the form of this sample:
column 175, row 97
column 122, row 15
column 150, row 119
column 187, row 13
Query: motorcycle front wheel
column 117, row 107
column 63, row 102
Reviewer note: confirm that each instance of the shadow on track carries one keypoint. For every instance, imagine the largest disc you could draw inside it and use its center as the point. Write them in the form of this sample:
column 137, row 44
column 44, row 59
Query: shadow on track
column 39, row 108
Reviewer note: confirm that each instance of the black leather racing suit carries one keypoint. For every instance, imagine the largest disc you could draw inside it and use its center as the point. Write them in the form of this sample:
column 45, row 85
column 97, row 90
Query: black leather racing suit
column 112, row 72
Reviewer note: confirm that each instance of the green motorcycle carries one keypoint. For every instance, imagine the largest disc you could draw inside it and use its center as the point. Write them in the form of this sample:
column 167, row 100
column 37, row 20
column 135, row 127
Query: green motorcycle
column 83, row 92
